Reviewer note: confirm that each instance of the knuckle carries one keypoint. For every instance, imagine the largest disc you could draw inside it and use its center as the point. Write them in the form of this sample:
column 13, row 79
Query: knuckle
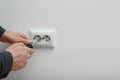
column 23, row 65
column 16, row 44
column 21, row 43
column 25, row 62
column 18, row 40
column 28, row 56
column 29, row 50
column 23, row 34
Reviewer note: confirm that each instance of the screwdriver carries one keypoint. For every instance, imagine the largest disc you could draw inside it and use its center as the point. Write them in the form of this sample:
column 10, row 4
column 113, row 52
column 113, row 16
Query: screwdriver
column 36, row 38
column 32, row 45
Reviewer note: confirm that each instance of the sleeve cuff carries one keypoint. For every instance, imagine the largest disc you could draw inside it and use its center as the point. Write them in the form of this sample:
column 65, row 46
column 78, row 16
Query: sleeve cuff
column 2, row 30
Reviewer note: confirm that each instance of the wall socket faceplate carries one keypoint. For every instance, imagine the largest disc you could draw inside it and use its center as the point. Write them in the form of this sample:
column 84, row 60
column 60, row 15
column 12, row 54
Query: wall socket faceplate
column 42, row 38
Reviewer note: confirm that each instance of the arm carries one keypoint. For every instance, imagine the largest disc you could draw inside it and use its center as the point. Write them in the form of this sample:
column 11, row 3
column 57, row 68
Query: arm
column 6, row 60
column 16, row 56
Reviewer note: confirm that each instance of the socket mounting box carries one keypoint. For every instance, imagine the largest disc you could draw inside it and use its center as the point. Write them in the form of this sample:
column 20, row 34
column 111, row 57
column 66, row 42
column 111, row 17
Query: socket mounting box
column 42, row 38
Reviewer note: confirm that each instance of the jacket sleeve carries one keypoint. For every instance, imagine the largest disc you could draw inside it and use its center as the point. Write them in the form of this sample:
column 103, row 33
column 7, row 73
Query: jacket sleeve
column 2, row 30
column 6, row 61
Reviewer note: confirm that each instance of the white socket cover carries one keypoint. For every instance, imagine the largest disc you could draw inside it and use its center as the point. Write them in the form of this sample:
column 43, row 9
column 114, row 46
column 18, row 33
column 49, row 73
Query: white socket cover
column 42, row 38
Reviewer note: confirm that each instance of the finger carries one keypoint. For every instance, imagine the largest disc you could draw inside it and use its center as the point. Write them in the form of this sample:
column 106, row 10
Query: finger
column 25, row 61
column 21, row 44
column 30, row 51
column 28, row 56
column 26, row 41
column 23, row 35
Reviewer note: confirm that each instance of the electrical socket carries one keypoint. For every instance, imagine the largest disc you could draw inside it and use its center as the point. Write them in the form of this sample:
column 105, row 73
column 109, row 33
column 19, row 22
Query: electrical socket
column 43, row 38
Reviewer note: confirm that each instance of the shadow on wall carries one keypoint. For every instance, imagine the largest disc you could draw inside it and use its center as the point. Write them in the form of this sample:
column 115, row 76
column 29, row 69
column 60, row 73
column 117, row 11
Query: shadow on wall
column 3, row 46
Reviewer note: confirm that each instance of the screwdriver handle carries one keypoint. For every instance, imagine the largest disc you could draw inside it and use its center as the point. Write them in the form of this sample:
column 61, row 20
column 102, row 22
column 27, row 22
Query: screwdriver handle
column 29, row 45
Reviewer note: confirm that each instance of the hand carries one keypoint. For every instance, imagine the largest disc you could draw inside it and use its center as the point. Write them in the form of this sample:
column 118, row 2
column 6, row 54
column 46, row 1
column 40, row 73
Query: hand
column 14, row 37
column 20, row 54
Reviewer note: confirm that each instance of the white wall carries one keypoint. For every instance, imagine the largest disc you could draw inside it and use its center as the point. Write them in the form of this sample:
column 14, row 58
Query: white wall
column 88, row 38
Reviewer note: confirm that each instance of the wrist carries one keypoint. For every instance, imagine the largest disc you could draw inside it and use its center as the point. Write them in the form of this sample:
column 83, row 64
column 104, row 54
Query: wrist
column 3, row 37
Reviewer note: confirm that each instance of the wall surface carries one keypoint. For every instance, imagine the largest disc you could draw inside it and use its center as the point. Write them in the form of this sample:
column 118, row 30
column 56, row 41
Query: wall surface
column 88, row 38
